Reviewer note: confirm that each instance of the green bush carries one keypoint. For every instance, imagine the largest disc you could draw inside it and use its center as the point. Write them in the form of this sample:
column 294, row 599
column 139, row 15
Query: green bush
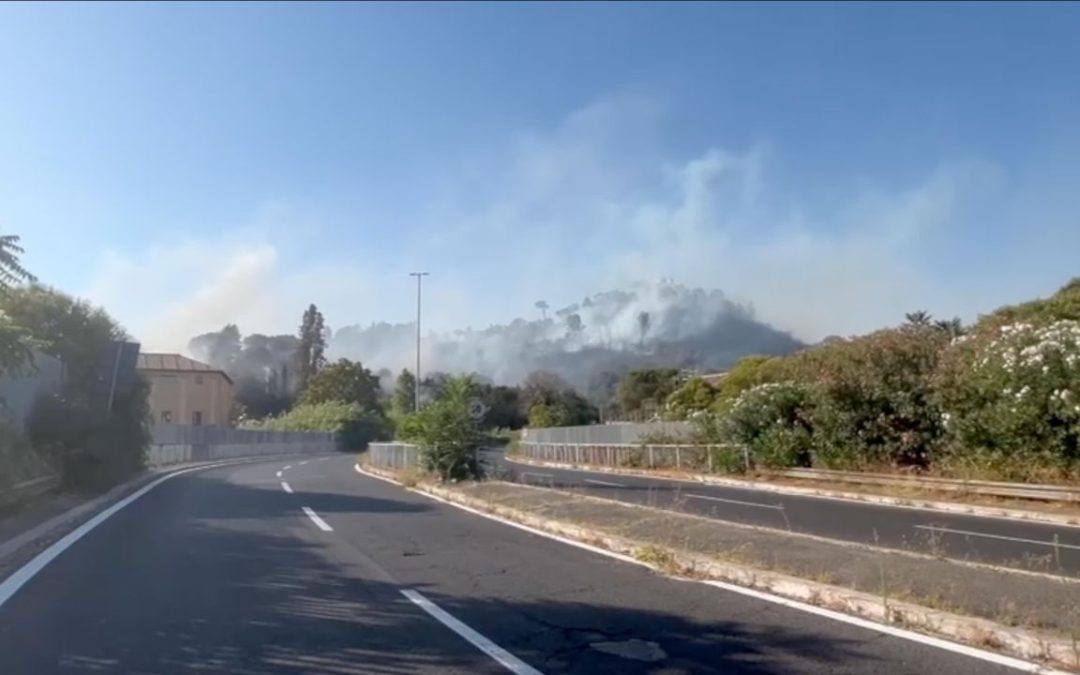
column 773, row 421
column 354, row 425
column 447, row 431
column 91, row 448
column 693, row 398
column 1011, row 397
column 873, row 402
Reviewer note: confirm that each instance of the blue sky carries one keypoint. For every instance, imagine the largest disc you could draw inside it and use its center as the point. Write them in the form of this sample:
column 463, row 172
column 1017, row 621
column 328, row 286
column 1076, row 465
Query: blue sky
column 835, row 165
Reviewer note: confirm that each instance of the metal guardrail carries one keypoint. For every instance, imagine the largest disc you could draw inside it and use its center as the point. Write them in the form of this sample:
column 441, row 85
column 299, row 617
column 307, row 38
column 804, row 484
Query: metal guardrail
column 399, row 456
column 706, row 459
column 1052, row 493
column 656, row 456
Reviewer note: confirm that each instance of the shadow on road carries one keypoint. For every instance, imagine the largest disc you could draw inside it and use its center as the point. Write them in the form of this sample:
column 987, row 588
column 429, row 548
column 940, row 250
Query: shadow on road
column 207, row 591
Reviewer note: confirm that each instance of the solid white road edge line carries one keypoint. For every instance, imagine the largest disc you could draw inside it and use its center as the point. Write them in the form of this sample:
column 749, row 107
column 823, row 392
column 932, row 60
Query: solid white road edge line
column 319, row 522
column 285, row 486
column 736, row 501
column 601, row 482
column 505, row 658
column 934, row 528
column 11, row 585
column 947, row 645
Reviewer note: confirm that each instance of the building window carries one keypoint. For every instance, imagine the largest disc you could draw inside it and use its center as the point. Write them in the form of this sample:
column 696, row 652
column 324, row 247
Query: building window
column 198, row 379
column 166, row 416
column 196, row 418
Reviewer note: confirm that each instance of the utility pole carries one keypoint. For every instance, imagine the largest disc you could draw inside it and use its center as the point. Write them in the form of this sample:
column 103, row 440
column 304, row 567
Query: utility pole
column 419, row 277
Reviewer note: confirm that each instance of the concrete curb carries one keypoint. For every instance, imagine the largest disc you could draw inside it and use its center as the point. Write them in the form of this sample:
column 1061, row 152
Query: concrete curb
column 981, row 633
column 897, row 502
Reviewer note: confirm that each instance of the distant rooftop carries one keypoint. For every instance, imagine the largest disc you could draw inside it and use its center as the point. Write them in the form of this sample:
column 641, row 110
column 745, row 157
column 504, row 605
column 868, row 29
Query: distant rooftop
column 175, row 363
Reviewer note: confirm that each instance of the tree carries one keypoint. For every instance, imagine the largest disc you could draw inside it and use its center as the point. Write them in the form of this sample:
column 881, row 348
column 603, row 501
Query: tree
column 447, row 431
column 220, row 349
column 953, row 327
column 642, row 392
column 502, row 407
column 11, row 270
column 345, row 382
column 573, row 323
column 543, row 307
column 92, row 446
column 404, row 401
column 643, row 326
column 918, row 318
column 312, row 344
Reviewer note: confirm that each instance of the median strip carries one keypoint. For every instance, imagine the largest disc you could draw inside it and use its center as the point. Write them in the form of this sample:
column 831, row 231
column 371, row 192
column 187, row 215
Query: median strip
column 1031, row 615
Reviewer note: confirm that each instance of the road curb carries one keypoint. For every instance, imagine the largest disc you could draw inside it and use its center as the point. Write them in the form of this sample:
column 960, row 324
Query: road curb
column 897, row 502
column 881, row 611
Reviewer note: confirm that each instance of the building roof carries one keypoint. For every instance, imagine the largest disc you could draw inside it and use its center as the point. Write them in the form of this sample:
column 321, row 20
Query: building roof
column 176, row 363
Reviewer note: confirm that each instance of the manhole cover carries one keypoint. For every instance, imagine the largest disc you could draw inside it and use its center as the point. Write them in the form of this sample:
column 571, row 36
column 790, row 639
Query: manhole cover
column 638, row 650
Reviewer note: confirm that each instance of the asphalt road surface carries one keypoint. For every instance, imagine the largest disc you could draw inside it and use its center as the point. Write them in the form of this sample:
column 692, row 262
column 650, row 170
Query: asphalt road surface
column 1050, row 548
column 321, row 570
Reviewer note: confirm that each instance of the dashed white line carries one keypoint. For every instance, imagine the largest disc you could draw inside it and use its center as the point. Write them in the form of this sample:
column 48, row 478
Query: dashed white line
column 601, row 482
column 736, row 501
column 279, row 474
column 286, row 487
column 505, row 658
column 1051, row 544
column 319, row 522
column 286, row 467
column 303, row 463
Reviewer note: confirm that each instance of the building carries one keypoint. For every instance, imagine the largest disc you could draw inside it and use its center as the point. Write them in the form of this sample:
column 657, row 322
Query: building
column 186, row 391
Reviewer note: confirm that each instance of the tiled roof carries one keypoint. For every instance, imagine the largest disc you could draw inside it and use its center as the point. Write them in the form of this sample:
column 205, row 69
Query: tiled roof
column 175, row 362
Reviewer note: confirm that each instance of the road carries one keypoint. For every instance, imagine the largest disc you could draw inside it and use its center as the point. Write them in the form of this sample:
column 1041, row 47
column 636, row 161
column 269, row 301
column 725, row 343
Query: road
column 998, row 541
column 323, row 570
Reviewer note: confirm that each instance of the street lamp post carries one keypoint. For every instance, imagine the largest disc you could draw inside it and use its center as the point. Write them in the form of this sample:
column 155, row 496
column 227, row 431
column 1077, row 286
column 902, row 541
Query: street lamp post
column 419, row 276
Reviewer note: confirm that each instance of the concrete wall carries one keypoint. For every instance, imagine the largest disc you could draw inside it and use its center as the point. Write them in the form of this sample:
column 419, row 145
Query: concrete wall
column 178, row 444
column 177, row 396
column 605, row 433
column 18, row 394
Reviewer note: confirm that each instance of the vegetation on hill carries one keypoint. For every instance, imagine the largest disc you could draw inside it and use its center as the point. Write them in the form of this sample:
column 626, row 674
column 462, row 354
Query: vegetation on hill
column 997, row 399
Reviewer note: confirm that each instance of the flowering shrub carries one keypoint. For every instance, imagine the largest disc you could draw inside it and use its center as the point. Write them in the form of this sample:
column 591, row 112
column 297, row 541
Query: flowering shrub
column 1012, row 396
column 773, row 421
column 873, row 403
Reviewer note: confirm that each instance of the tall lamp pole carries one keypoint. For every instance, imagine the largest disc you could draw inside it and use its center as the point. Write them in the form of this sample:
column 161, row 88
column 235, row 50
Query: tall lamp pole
column 419, row 277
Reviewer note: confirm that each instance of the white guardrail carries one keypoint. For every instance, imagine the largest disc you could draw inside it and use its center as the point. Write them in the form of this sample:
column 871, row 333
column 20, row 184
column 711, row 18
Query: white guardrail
column 398, row 456
column 175, row 444
column 711, row 459
column 645, row 456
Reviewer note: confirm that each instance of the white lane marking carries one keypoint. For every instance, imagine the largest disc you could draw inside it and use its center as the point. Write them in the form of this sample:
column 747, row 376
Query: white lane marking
column 285, row 486
column 279, row 474
column 1051, row 544
column 319, row 522
column 505, row 658
column 736, row 501
column 11, row 585
column 601, row 482
column 303, row 463
column 946, row 645
column 286, row 467
column 534, row 473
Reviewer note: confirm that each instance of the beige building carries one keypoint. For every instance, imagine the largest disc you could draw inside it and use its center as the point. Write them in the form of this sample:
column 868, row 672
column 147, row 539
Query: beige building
column 186, row 391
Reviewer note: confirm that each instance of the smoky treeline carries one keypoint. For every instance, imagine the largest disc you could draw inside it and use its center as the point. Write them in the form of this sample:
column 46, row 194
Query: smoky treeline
column 590, row 344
